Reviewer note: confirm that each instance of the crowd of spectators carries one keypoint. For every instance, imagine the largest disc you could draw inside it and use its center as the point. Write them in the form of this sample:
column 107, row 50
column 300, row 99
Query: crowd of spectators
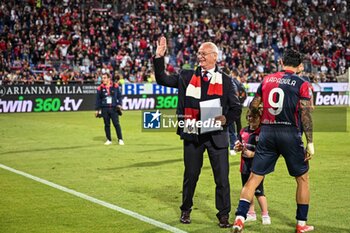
column 67, row 41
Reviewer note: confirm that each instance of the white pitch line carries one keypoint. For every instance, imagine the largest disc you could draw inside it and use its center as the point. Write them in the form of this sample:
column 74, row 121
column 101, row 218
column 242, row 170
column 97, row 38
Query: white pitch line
column 97, row 201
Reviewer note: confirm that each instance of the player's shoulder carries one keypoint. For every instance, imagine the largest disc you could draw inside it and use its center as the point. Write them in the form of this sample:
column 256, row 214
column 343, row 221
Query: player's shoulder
column 301, row 80
column 305, row 78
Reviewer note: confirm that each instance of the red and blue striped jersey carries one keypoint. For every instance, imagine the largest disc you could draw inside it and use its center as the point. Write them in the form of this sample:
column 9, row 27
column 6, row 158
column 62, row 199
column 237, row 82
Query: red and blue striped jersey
column 249, row 138
column 281, row 93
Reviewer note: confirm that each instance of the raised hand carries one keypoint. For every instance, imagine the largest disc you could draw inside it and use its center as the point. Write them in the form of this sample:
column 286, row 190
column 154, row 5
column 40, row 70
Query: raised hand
column 161, row 47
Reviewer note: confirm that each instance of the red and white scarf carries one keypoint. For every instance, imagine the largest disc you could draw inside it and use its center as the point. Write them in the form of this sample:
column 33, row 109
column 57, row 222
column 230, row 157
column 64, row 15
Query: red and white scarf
column 193, row 97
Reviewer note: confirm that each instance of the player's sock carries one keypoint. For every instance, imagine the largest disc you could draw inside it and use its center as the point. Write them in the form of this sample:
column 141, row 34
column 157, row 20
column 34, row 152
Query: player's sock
column 302, row 211
column 301, row 223
column 243, row 208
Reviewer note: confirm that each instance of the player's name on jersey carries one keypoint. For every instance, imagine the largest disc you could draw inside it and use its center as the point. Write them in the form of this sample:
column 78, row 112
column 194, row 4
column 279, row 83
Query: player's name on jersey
column 286, row 81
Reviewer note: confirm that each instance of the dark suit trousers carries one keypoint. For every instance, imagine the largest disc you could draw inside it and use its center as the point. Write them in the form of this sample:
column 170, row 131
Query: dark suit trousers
column 108, row 114
column 193, row 159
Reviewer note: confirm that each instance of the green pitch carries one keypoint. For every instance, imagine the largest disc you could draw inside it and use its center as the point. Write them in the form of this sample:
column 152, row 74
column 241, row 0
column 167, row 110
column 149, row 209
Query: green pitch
column 145, row 176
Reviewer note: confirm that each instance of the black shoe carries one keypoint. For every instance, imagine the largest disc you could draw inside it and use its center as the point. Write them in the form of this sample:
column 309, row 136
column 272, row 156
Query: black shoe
column 185, row 217
column 223, row 222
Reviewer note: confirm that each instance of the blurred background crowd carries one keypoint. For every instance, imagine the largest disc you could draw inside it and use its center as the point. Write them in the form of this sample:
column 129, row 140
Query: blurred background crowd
column 75, row 41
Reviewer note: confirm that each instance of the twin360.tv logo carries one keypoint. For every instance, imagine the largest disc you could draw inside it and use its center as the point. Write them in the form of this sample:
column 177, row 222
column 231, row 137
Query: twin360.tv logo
column 151, row 120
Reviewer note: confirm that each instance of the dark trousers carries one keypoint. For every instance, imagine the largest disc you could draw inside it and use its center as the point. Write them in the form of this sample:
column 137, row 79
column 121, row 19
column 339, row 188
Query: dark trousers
column 232, row 135
column 108, row 114
column 238, row 123
column 193, row 160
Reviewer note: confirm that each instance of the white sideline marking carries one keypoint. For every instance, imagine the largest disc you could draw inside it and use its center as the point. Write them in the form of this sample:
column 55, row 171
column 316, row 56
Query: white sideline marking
column 97, row 201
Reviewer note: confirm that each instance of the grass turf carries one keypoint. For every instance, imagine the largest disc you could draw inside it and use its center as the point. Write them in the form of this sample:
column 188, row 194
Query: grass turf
column 145, row 176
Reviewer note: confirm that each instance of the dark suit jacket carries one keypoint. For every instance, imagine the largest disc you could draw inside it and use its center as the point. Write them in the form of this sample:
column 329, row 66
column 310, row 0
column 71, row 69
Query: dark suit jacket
column 230, row 103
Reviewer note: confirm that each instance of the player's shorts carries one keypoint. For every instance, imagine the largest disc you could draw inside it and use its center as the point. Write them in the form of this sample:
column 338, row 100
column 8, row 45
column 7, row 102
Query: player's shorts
column 259, row 191
column 276, row 140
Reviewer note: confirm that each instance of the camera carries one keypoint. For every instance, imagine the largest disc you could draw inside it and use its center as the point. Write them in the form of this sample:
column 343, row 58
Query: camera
column 119, row 110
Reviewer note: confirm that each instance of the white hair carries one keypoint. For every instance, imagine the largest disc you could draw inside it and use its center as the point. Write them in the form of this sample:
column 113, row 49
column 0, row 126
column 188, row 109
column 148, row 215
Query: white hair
column 213, row 46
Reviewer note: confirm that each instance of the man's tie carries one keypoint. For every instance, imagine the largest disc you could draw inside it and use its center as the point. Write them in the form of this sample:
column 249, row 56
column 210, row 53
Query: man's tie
column 205, row 76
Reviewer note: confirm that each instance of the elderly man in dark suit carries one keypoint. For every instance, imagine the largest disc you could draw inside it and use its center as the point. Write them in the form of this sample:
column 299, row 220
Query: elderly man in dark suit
column 205, row 83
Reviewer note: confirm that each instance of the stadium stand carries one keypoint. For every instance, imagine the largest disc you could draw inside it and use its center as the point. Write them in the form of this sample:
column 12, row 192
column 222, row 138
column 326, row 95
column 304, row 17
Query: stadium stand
column 75, row 41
